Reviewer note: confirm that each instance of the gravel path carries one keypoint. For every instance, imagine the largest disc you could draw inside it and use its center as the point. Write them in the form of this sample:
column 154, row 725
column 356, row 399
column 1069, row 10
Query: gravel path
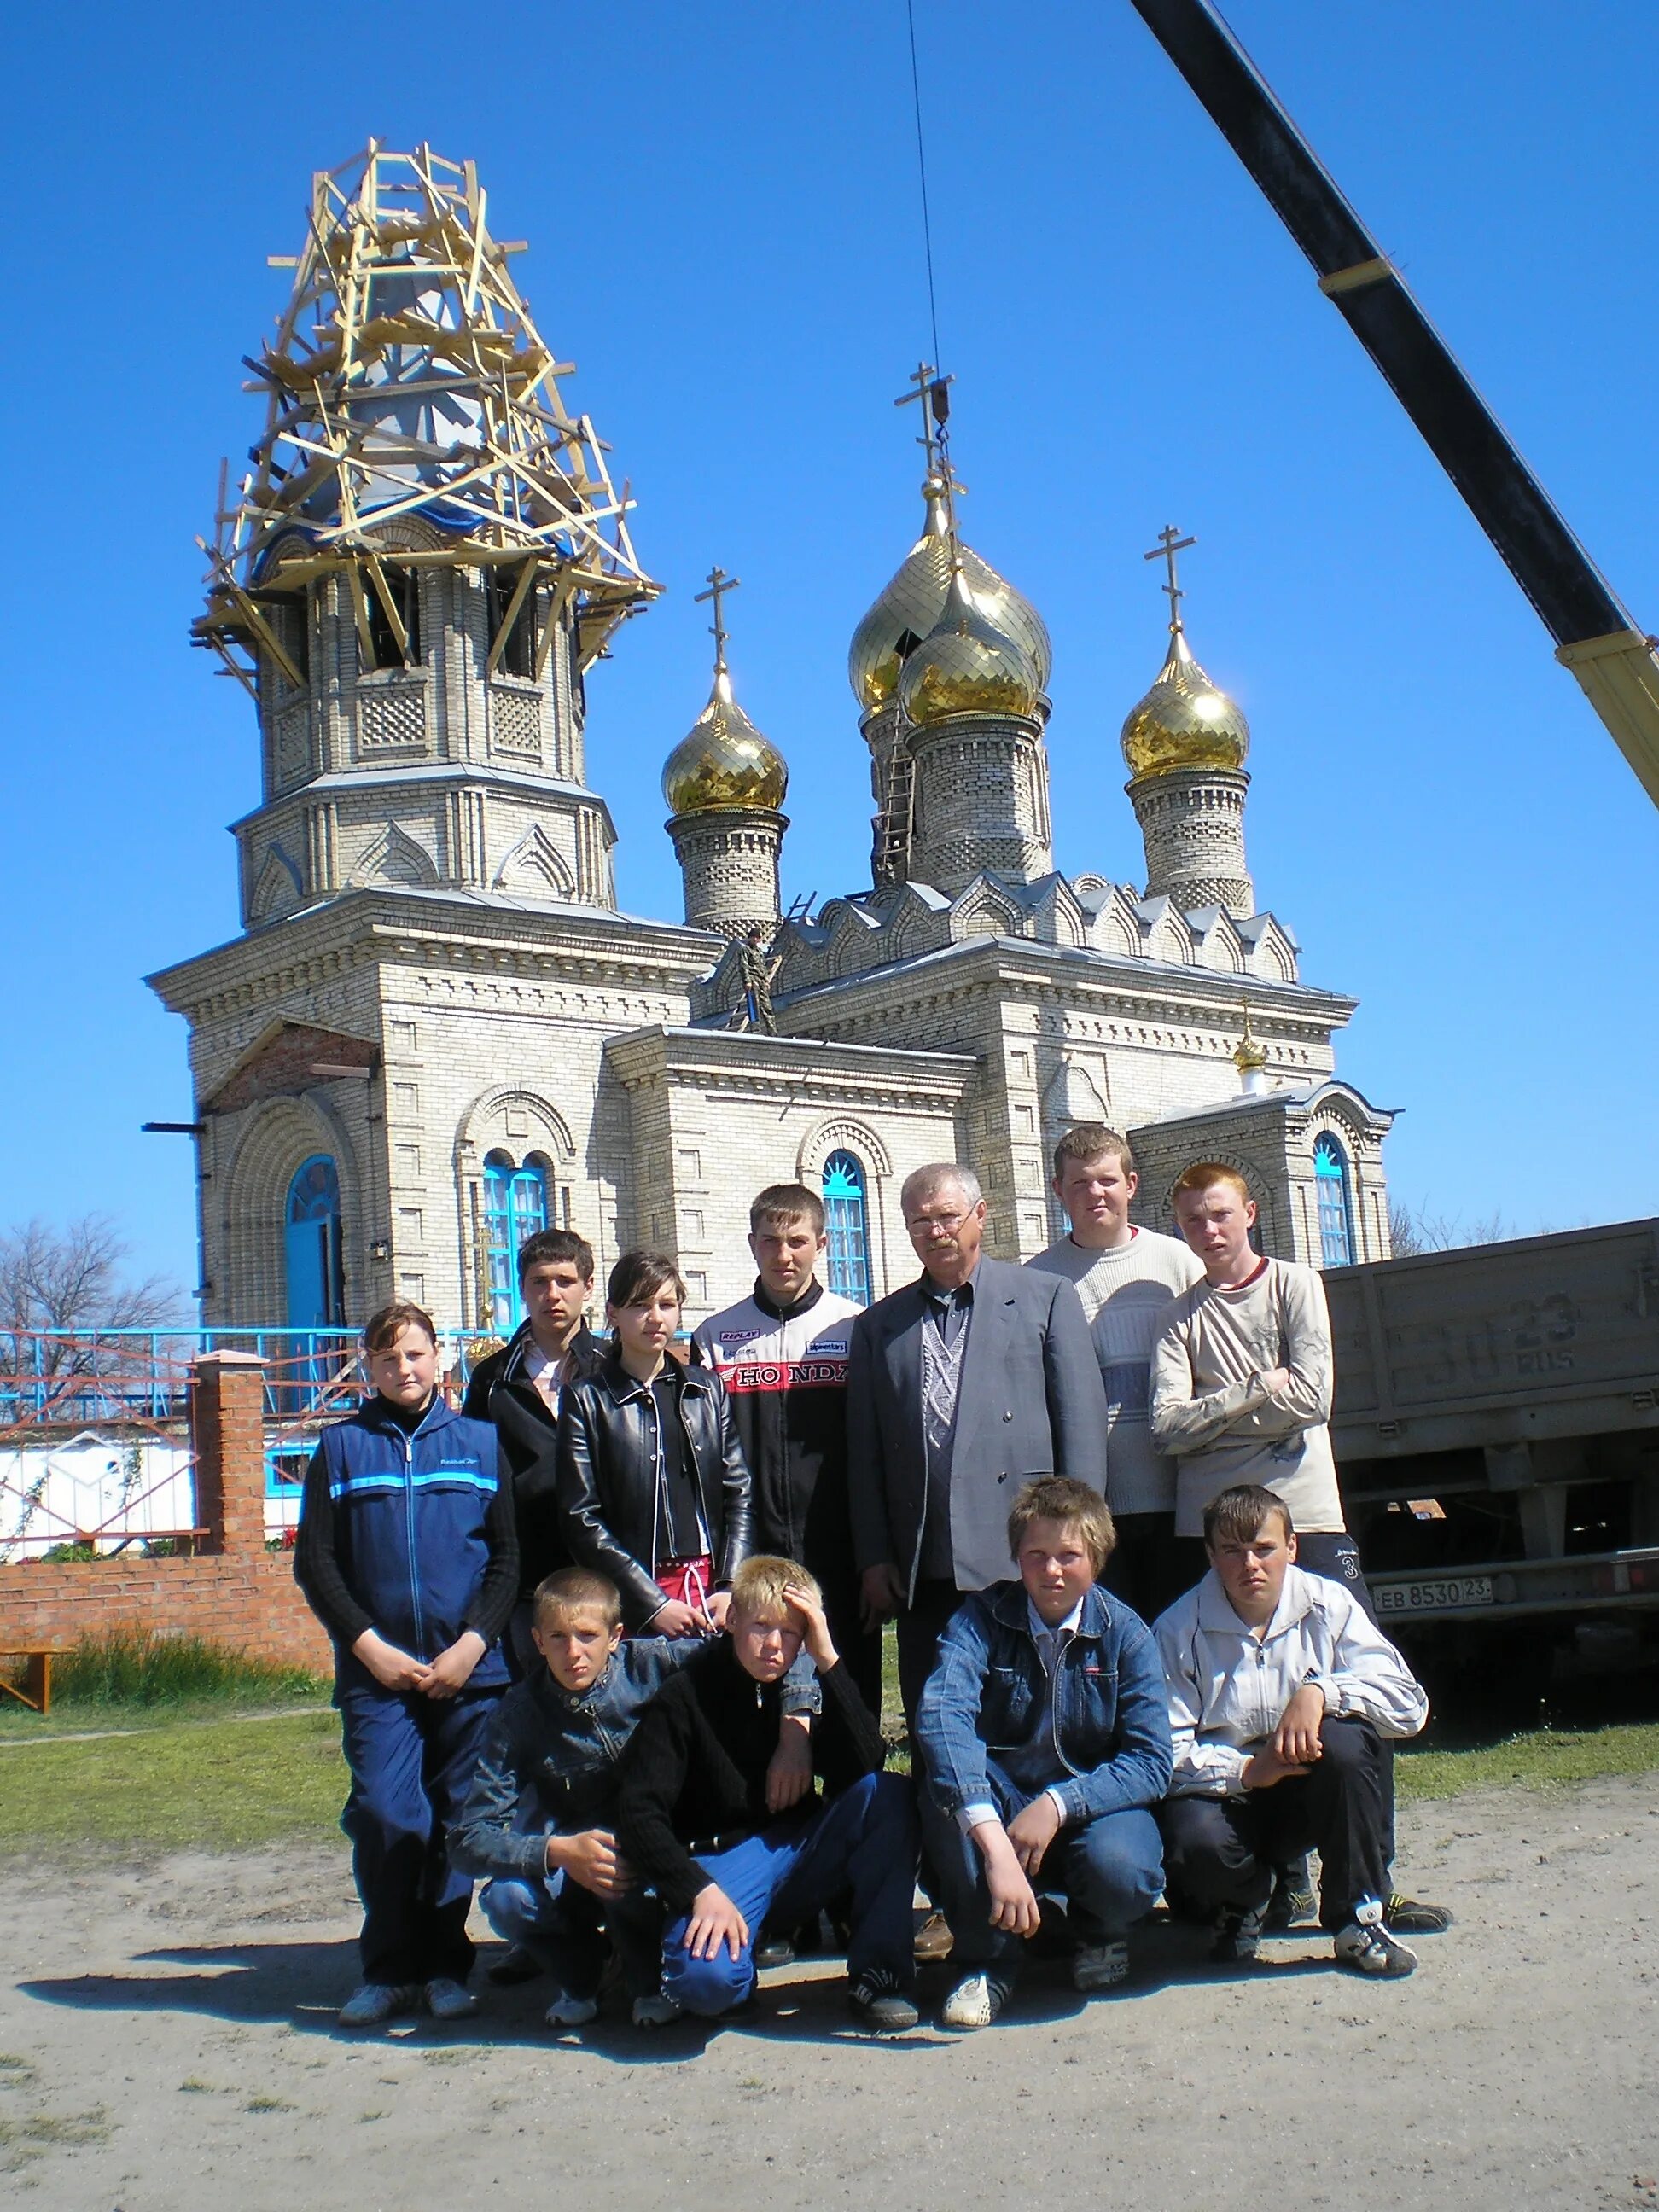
column 166, row 2045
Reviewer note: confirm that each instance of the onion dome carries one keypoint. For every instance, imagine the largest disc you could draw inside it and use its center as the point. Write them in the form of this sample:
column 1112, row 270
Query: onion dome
column 914, row 601
column 1249, row 1057
column 1184, row 721
column 723, row 760
column 966, row 664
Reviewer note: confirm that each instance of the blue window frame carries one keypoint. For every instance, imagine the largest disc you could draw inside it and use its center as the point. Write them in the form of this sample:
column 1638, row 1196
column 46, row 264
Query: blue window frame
column 515, row 1209
column 846, row 1224
column 314, row 1277
column 1335, row 1203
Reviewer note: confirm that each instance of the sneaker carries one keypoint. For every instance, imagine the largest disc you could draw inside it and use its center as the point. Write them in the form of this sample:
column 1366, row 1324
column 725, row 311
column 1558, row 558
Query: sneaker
column 1237, row 1937
column 933, row 1939
column 879, row 2003
column 975, row 2001
column 1293, row 1898
column 1097, row 1966
column 376, row 2003
column 446, row 1999
column 515, row 1964
column 566, row 2011
column 1409, row 1915
column 655, row 2010
column 1365, row 1946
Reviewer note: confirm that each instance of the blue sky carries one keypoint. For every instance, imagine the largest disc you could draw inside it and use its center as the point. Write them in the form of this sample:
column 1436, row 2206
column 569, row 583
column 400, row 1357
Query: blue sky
column 724, row 235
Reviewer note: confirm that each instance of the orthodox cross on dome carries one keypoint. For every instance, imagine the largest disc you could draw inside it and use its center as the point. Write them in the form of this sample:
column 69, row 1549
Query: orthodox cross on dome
column 933, row 389
column 1169, row 542
column 719, row 584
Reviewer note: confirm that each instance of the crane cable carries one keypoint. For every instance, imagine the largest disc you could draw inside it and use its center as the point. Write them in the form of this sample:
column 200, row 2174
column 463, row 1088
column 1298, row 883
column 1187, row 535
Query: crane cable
column 921, row 170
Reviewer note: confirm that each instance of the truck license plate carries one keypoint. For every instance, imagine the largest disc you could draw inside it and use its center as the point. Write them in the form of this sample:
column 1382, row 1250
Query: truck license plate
column 1437, row 1596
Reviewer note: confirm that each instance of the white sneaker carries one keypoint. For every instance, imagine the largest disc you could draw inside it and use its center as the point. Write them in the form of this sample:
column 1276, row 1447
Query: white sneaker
column 566, row 2011
column 1097, row 1966
column 975, row 2001
column 656, row 2011
column 1366, row 1946
column 448, row 1999
column 376, row 2003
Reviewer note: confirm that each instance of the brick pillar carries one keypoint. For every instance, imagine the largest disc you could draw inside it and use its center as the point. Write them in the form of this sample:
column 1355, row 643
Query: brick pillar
column 227, row 1436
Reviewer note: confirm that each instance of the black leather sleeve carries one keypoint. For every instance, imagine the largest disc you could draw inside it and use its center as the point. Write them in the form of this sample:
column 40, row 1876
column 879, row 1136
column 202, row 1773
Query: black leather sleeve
column 736, row 1541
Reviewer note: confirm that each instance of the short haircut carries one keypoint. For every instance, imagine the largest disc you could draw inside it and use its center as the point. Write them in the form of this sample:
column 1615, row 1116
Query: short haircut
column 1090, row 1141
column 759, row 1583
column 787, row 1201
column 1074, row 1506
column 557, row 1248
column 382, row 1329
column 577, row 1589
column 638, row 1276
column 1204, row 1174
column 922, row 1182
column 1238, row 1515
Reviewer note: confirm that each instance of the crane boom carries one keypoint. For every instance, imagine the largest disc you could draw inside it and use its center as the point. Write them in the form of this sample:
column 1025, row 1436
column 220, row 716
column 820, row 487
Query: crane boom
column 1594, row 635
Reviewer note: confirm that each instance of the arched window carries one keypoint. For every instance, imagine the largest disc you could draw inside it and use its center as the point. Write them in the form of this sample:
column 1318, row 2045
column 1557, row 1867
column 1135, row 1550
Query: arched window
column 315, row 1279
column 1335, row 1203
column 846, row 1224
column 515, row 1208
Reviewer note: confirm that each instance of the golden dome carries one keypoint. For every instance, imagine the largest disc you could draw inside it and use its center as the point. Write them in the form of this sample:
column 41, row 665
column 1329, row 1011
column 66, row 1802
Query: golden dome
column 967, row 666
column 1248, row 1056
column 723, row 761
column 1184, row 720
column 912, row 602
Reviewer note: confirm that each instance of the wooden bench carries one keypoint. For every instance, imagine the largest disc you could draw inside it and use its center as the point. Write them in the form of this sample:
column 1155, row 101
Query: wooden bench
column 36, row 1690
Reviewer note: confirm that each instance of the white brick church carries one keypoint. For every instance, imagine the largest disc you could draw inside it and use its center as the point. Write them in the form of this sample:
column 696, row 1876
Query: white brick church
column 436, row 1031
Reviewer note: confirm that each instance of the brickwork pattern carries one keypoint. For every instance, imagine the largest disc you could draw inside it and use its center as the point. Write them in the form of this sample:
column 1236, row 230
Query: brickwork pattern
column 1192, row 822
column 234, row 1592
column 981, row 801
column 729, row 866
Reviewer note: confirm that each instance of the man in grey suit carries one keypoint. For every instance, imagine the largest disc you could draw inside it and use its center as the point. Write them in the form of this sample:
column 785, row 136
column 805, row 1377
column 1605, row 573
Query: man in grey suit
column 959, row 1388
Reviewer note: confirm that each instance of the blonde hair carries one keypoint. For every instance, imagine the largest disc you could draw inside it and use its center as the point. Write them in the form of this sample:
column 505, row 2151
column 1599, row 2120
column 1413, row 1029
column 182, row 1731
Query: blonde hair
column 759, row 1584
column 576, row 1589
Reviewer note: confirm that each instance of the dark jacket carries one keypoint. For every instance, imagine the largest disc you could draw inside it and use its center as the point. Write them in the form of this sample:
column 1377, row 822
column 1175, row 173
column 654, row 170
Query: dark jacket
column 500, row 1392
column 785, row 1372
column 610, row 1478
column 1105, row 1728
column 410, row 1535
column 695, row 1768
column 1031, row 1403
column 549, row 1762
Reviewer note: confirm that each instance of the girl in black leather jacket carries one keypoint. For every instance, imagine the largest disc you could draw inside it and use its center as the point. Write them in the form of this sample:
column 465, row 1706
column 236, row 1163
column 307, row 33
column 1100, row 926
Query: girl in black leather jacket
column 651, row 1486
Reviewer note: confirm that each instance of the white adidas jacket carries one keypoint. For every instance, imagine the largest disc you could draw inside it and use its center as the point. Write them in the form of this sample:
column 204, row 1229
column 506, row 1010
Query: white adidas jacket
column 1228, row 1689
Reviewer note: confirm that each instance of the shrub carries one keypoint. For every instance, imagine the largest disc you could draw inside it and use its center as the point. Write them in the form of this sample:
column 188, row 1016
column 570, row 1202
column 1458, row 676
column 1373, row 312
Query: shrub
column 134, row 1667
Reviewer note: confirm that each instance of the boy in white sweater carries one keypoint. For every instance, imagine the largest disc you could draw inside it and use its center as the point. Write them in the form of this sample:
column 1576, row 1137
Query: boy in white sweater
column 1282, row 1693
column 1128, row 1278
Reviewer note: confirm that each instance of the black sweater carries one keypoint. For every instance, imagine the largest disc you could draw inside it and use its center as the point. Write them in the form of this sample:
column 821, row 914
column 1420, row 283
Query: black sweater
column 695, row 1765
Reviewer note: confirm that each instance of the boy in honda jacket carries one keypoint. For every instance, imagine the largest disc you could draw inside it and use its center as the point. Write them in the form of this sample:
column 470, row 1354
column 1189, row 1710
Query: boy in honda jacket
column 406, row 1554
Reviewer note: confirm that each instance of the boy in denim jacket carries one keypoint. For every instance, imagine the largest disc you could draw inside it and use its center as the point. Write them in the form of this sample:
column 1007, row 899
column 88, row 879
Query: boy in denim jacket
column 537, row 1821
column 1044, row 1735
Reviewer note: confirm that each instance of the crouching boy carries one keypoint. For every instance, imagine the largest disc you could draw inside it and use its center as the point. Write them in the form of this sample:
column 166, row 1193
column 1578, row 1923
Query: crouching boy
column 697, row 1820
column 537, row 1825
column 1045, row 1740
column 1281, row 1691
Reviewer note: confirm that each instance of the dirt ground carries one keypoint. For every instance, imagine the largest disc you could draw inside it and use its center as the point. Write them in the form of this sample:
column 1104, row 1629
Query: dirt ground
column 169, row 2045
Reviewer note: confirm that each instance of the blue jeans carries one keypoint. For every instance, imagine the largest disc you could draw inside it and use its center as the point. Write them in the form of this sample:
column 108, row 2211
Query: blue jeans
column 1110, row 1871
column 411, row 1760
column 864, row 1840
column 570, row 1932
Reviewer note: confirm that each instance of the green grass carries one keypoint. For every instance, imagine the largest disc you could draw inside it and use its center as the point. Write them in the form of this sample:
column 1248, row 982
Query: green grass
column 130, row 1668
column 230, row 1786
column 1542, row 1759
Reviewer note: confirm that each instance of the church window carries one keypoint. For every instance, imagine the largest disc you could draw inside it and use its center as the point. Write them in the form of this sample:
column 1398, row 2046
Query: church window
column 1335, row 1203
column 518, row 655
column 515, row 1209
column 846, row 1224
column 313, row 1271
column 405, row 587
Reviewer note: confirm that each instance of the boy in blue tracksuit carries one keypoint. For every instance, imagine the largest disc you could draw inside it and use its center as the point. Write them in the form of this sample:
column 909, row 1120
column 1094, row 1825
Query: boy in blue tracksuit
column 1044, row 1734
column 406, row 1554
